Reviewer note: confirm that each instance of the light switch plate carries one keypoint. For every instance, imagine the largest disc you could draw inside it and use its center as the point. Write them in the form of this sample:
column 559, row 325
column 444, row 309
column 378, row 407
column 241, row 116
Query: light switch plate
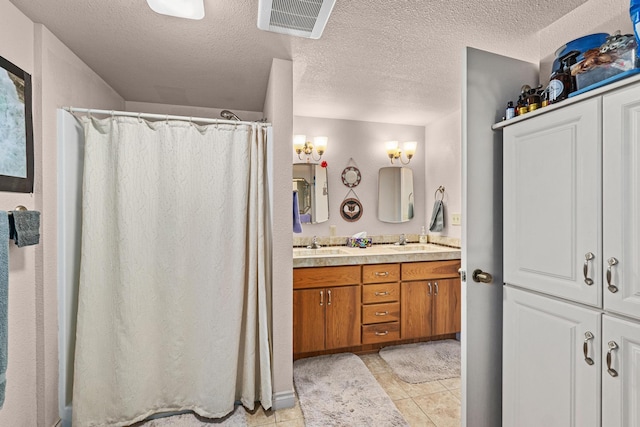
column 456, row 219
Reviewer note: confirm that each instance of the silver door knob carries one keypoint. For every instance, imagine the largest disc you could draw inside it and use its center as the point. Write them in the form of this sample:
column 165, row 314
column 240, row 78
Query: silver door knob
column 481, row 277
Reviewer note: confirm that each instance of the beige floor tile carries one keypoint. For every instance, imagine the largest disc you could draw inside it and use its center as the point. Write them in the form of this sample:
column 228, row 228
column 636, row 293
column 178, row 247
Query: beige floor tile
column 414, row 390
column 289, row 414
column 442, row 408
column 291, row 423
column 391, row 385
column 375, row 363
column 457, row 393
column 451, row 383
column 260, row 417
column 413, row 414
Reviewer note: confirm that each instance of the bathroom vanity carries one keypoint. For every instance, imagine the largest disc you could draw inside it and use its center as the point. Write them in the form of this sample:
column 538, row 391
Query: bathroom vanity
column 359, row 300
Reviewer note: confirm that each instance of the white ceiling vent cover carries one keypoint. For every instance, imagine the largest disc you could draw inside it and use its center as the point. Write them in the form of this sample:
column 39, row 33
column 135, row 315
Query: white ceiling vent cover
column 301, row 18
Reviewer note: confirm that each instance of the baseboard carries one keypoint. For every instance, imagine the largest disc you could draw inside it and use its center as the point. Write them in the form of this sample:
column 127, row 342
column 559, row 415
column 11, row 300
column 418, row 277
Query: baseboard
column 284, row 400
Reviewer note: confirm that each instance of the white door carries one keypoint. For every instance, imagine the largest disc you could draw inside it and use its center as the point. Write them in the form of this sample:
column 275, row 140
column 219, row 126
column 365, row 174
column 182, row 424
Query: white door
column 552, row 203
column 621, row 195
column 620, row 372
column 551, row 366
column 488, row 82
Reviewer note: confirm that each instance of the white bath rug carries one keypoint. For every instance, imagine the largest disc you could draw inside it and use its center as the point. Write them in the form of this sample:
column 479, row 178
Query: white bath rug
column 424, row 362
column 339, row 390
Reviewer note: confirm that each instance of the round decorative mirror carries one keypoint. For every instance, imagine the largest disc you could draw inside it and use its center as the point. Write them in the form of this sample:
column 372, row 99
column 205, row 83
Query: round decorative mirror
column 351, row 176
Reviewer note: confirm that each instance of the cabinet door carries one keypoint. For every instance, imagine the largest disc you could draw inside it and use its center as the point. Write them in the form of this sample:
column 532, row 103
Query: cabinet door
column 446, row 306
column 552, row 203
column 415, row 309
column 620, row 393
column 343, row 317
column 546, row 380
column 621, row 194
column 308, row 320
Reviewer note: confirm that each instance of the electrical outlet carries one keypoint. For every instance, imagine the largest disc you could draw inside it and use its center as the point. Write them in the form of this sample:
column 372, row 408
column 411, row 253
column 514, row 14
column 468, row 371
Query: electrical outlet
column 456, row 219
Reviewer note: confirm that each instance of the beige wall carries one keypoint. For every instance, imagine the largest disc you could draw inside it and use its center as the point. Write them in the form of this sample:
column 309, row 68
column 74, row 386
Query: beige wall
column 365, row 143
column 59, row 79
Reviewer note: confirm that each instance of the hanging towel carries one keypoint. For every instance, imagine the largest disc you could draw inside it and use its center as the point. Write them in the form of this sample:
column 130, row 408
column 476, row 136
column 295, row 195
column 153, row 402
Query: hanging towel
column 297, row 226
column 4, row 300
column 437, row 217
column 24, row 227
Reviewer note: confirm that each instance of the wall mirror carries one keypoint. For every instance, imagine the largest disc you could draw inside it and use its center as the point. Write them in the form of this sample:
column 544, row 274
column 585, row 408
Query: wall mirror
column 395, row 194
column 310, row 180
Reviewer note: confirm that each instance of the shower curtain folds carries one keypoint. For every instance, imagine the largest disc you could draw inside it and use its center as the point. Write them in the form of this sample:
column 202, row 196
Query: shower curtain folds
column 173, row 296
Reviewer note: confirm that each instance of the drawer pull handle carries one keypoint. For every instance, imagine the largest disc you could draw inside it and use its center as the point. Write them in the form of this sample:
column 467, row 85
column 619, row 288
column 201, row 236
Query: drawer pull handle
column 321, row 298
column 383, row 274
column 381, row 313
column 436, row 284
column 585, row 269
column 612, row 346
column 382, row 333
column 585, row 347
column 430, row 288
column 612, row 288
column 381, row 294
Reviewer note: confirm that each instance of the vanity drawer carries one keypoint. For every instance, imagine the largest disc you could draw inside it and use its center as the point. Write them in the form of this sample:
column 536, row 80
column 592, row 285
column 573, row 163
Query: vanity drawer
column 381, row 332
column 430, row 270
column 320, row 277
column 380, row 273
column 380, row 313
column 386, row 292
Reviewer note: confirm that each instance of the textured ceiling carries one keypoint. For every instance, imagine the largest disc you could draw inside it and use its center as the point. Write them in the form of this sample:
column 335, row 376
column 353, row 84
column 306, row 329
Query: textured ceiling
column 393, row 61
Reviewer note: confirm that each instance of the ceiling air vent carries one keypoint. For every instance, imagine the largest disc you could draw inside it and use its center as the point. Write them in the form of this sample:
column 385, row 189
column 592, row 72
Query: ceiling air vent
column 301, row 18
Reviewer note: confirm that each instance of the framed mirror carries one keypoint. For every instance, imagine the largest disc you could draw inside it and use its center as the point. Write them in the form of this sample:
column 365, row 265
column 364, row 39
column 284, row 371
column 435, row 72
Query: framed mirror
column 395, row 194
column 310, row 181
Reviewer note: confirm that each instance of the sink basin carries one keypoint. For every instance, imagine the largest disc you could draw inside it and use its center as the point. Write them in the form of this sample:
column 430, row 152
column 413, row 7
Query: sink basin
column 321, row 251
column 416, row 248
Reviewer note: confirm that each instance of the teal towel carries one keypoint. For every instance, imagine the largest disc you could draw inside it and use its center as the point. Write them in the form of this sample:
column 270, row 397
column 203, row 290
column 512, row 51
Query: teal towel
column 24, row 227
column 437, row 217
column 4, row 299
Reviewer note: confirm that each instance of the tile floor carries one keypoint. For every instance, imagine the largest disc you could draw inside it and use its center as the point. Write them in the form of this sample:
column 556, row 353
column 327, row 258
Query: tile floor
column 430, row 404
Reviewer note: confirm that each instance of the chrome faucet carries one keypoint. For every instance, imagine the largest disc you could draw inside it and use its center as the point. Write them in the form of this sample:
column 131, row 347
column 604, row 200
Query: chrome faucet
column 314, row 244
column 403, row 240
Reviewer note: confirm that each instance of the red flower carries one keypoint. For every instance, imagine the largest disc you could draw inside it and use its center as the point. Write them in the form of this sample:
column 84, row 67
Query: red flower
column 323, row 164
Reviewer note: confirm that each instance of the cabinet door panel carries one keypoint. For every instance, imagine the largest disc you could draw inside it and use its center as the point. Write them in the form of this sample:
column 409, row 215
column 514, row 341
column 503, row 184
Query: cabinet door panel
column 546, row 381
column 446, row 306
column 308, row 320
column 343, row 317
column 415, row 312
column 621, row 192
column 552, row 202
column 621, row 394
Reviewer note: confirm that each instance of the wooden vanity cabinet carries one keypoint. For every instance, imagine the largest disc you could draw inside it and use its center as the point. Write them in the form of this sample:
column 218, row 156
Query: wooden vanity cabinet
column 430, row 299
column 380, row 303
column 326, row 308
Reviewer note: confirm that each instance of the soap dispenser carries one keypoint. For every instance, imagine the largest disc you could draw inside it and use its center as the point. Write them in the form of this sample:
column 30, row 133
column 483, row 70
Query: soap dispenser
column 423, row 235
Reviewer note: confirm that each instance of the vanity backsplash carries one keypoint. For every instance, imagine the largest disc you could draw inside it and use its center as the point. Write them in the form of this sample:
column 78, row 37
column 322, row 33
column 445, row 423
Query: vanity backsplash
column 383, row 239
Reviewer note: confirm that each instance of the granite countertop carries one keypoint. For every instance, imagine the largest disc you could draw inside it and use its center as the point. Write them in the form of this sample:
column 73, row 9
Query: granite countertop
column 376, row 254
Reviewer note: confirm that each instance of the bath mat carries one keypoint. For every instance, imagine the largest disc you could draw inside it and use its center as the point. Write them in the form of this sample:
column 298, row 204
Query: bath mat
column 424, row 362
column 339, row 390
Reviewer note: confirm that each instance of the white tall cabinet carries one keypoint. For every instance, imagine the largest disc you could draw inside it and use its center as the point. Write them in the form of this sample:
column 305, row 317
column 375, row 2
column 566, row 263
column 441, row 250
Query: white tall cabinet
column 571, row 346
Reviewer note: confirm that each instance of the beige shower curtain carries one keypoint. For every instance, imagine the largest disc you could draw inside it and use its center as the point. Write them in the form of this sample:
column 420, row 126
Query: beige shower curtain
column 174, row 294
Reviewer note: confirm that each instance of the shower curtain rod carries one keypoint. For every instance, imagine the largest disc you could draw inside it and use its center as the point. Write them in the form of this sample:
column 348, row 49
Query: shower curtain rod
column 90, row 111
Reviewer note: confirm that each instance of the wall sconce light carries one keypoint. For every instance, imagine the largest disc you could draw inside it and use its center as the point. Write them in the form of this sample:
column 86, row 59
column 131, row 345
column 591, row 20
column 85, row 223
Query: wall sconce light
column 301, row 145
column 394, row 152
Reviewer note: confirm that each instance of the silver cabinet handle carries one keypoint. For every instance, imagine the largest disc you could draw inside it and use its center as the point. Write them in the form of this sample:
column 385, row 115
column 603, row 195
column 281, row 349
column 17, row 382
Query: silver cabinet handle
column 329, row 295
column 321, row 297
column 381, row 313
column 585, row 347
column 381, row 294
column 612, row 288
column 383, row 273
column 436, row 283
column 585, row 270
column 429, row 284
column 382, row 333
column 612, row 346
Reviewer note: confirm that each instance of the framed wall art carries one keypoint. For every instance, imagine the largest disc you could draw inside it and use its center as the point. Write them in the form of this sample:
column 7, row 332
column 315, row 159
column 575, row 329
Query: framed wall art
column 16, row 129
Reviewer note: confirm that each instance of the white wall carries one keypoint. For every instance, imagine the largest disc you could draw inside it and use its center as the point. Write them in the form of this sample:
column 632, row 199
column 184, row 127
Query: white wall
column 443, row 160
column 365, row 143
